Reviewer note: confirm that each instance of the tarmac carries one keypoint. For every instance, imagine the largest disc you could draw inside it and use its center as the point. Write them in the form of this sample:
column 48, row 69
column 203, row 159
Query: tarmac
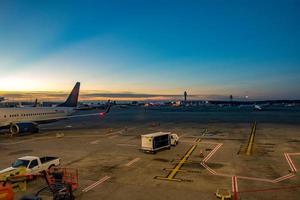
column 211, row 154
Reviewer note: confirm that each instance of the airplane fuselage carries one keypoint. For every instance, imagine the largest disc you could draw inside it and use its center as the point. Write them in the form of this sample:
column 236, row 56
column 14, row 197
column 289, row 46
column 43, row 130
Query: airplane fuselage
column 37, row 115
column 27, row 119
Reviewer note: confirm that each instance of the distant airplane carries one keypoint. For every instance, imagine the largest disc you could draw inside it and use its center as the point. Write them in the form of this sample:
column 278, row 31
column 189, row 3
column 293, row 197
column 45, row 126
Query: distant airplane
column 152, row 104
column 92, row 106
column 257, row 107
column 254, row 106
column 35, row 104
column 27, row 119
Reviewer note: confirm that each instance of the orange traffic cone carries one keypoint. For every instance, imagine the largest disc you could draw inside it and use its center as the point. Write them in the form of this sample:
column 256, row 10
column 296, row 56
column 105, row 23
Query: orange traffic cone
column 201, row 154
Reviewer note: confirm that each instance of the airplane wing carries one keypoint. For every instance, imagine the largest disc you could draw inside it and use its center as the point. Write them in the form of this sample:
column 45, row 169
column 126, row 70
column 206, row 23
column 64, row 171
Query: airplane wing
column 101, row 114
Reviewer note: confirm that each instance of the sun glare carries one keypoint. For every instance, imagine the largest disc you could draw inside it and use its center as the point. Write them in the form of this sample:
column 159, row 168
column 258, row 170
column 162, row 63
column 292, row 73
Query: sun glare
column 18, row 84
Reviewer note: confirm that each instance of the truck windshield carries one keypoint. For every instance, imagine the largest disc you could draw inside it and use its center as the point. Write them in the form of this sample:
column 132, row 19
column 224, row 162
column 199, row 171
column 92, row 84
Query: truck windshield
column 20, row 163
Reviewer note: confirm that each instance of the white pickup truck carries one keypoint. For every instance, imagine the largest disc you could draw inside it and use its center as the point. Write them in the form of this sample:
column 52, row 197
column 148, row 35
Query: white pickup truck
column 32, row 164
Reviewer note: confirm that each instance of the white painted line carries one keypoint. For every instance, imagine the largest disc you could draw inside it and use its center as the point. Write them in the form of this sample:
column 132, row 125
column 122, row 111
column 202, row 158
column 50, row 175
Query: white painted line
column 54, row 137
column 29, row 140
column 192, row 141
column 111, row 137
column 234, row 187
column 292, row 175
column 131, row 162
column 236, row 184
column 292, row 166
column 94, row 142
column 209, row 143
column 105, row 178
column 215, row 149
column 95, row 184
column 294, row 154
column 283, row 178
column 232, row 184
column 287, row 157
column 208, row 168
column 224, row 175
column 109, row 134
column 129, row 145
column 187, row 141
column 255, row 179
column 212, row 153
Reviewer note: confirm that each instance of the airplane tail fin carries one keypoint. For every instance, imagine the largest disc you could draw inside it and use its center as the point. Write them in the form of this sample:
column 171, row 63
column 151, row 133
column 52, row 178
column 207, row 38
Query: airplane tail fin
column 72, row 100
column 35, row 103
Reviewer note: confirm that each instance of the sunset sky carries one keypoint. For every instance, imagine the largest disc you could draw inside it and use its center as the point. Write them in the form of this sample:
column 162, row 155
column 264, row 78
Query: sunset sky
column 151, row 49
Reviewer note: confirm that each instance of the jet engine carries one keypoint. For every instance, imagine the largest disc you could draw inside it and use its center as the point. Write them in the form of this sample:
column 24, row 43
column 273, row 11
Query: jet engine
column 23, row 127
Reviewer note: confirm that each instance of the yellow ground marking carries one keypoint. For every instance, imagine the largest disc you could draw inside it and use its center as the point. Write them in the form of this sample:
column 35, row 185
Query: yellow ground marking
column 251, row 139
column 177, row 168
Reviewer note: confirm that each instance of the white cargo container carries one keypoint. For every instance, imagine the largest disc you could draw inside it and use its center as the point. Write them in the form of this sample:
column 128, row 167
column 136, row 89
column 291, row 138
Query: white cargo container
column 156, row 141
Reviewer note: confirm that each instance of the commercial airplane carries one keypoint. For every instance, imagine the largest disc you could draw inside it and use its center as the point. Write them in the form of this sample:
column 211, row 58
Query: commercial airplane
column 27, row 119
column 254, row 106
column 92, row 106
column 35, row 104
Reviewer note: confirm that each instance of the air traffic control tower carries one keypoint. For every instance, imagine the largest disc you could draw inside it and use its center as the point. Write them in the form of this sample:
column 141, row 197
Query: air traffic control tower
column 185, row 96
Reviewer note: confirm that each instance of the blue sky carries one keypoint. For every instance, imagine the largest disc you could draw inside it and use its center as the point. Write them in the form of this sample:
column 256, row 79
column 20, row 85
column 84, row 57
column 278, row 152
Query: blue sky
column 152, row 47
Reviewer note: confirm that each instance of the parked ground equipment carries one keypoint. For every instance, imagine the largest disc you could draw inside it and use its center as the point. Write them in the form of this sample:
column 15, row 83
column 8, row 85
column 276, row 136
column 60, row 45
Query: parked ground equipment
column 33, row 165
column 156, row 141
column 6, row 191
column 16, row 178
column 61, row 182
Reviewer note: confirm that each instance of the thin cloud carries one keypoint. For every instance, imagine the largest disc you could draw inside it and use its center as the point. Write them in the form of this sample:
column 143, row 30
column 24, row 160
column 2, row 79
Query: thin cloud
column 86, row 96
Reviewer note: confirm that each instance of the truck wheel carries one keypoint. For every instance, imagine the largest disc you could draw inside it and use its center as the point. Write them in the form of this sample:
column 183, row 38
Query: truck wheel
column 51, row 167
